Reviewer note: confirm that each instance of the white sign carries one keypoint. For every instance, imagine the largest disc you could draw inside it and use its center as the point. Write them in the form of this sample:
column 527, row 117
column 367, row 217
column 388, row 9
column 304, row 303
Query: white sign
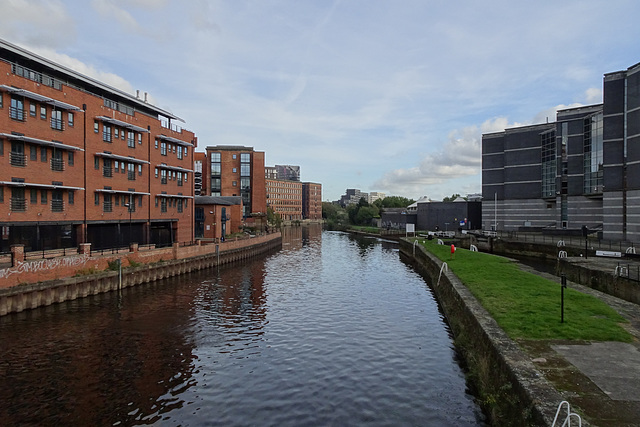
column 411, row 228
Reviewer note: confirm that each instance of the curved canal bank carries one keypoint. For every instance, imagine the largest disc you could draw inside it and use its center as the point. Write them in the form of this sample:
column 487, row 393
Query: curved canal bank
column 510, row 387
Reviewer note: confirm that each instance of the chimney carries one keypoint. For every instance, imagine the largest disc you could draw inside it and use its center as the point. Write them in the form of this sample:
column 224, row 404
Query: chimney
column 145, row 97
column 138, row 93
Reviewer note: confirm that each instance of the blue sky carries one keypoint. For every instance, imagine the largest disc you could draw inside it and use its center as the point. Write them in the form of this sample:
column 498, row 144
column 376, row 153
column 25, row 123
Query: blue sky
column 380, row 95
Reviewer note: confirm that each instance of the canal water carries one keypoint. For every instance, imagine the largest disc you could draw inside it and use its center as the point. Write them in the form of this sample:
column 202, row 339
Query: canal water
column 332, row 330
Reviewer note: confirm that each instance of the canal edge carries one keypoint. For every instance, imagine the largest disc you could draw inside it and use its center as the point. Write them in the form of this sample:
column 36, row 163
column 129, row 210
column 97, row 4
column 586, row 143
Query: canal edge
column 510, row 389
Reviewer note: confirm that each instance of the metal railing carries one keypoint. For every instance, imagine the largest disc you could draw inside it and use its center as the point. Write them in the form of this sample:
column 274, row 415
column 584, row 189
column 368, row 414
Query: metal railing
column 571, row 241
column 57, row 165
column 18, row 204
column 50, row 253
column 17, row 159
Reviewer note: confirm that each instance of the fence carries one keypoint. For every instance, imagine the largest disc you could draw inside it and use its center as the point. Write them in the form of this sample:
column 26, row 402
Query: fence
column 572, row 241
column 50, row 253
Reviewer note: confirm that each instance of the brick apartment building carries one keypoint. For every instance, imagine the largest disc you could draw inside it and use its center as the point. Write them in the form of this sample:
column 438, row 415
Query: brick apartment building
column 312, row 201
column 237, row 171
column 84, row 162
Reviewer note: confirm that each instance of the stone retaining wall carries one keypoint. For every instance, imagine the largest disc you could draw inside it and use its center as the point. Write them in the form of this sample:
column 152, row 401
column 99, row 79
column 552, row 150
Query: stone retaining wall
column 510, row 389
column 27, row 296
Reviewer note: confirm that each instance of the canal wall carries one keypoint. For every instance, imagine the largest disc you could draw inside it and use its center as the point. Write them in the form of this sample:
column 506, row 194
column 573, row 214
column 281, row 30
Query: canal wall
column 511, row 390
column 82, row 275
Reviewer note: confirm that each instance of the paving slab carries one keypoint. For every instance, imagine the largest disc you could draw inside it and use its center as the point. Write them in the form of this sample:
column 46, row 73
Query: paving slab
column 613, row 366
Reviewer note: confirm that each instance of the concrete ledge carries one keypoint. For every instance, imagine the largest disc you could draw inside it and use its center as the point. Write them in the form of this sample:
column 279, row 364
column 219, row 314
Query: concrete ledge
column 510, row 389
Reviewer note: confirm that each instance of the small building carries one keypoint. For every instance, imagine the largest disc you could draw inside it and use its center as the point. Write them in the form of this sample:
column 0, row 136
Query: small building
column 217, row 216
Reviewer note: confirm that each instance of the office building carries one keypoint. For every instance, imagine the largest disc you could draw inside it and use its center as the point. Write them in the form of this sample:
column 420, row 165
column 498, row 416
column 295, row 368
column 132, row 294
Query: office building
column 581, row 170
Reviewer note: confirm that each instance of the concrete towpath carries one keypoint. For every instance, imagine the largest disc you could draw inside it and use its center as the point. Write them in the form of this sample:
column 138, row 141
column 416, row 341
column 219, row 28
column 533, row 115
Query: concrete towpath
column 600, row 380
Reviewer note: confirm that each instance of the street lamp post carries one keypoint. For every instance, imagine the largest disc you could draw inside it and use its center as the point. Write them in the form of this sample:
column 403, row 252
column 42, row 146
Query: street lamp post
column 128, row 205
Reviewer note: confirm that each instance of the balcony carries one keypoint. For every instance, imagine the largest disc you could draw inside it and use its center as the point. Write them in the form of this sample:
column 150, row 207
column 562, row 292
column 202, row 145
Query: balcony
column 179, row 183
column 18, row 159
column 107, row 206
column 131, row 175
column 106, row 136
column 107, row 171
column 57, row 206
column 57, row 165
column 18, row 204
column 16, row 113
column 163, row 180
column 57, row 124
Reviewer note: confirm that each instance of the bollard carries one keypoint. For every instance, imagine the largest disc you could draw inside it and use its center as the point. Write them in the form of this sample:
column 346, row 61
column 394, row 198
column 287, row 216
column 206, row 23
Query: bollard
column 563, row 285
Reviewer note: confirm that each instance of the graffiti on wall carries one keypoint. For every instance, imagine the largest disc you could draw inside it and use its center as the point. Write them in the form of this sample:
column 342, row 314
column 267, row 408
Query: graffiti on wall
column 44, row 264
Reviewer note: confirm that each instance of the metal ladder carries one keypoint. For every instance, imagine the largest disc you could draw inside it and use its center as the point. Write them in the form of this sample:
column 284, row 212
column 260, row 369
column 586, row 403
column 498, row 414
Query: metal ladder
column 567, row 420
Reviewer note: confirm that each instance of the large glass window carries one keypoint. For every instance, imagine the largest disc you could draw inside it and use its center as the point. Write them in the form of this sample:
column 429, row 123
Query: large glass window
column 56, row 119
column 593, row 154
column 549, row 171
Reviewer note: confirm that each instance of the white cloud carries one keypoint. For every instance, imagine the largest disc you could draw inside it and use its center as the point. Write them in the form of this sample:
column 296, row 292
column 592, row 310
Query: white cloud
column 43, row 23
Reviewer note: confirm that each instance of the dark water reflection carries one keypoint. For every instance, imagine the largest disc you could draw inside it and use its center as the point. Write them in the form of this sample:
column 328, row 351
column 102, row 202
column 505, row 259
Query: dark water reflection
column 332, row 330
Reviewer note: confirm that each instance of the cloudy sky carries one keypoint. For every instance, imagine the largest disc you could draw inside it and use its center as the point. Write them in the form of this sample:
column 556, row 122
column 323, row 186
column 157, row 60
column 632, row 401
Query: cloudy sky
column 380, row 95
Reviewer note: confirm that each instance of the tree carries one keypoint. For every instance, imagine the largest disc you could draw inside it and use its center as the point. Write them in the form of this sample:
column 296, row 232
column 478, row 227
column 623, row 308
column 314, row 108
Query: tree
column 452, row 198
column 273, row 218
column 393, row 202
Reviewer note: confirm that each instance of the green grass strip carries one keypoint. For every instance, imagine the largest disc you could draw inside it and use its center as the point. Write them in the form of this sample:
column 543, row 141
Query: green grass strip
column 527, row 306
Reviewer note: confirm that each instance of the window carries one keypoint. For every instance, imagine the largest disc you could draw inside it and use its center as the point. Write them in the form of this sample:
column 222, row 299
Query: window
column 1, row 106
column 180, row 179
column 131, row 142
column 117, row 199
column 16, row 111
column 235, row 183
column 106, row 132
column 186, row 151
column 33, row 151
column 116, row 133
column 163, row 148
column 179, row 153
column 43, row 197
column 234, row 156
column 245, row 169
column 1, row 147
column 245, row 158
column 70, row 119
column 96, row 162
column 139, row 138
column 139, row 170
column 57, row 205
column 163, row 204
column 107, row 205
column 156, row 172
column 71, row 197
column 32, row 109
column 156, row 144
column 215, row 157
column 1, row 188
column 235, row 170
column 96, row 126
column 71, row 158
column 122, row 135
column 56, row 119
column 593, row 154
column 43, row 154
column 34, row 196
column 548, row 143
column 180, row 206
column 131, row 171
column 96, row 199
column 43, row 112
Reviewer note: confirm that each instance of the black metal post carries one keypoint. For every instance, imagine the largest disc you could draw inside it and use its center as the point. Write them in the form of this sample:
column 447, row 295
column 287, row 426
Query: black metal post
column 564, row 285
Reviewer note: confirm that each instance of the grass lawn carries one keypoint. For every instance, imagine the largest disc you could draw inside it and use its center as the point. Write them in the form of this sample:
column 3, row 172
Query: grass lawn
column 527, row 306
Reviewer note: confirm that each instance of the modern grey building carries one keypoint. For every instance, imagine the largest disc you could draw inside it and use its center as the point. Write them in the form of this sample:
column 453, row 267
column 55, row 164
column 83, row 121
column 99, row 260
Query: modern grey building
column 582, row 170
